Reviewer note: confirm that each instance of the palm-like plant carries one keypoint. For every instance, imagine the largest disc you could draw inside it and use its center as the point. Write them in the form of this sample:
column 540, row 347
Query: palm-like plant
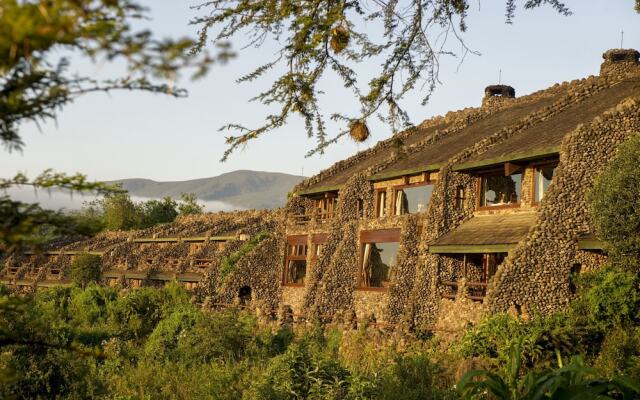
column 575, row 381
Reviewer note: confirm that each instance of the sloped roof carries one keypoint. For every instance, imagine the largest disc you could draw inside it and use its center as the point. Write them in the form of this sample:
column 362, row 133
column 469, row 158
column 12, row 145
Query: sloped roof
column 536, row 140
column 484, row 231
column 547, row 136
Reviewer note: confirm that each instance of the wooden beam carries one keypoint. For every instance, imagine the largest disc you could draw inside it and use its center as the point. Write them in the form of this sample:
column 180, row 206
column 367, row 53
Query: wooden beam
column 471, row 248
column 518, row 156
column 512, row 168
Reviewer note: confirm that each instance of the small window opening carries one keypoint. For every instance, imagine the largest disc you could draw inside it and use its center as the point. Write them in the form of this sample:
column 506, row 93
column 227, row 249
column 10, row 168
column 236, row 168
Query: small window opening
column 360, row 208
column 295, row 269
column 460, row 197
column 381, row 204
column 244, row 294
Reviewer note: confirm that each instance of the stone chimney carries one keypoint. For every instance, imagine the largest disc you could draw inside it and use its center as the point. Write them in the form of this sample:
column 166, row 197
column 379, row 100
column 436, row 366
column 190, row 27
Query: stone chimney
column 495, row 94
column 620, row 62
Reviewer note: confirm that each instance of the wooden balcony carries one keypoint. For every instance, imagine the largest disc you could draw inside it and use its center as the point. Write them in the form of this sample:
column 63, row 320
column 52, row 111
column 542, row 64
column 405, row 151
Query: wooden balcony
column 476, row 290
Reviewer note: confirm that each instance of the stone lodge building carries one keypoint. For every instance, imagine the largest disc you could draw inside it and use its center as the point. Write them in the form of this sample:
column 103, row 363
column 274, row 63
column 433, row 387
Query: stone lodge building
column 482, row 210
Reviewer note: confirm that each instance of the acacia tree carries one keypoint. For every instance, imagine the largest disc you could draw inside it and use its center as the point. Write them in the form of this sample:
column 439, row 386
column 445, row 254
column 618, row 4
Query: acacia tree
column 36, row 39
column 318, row 37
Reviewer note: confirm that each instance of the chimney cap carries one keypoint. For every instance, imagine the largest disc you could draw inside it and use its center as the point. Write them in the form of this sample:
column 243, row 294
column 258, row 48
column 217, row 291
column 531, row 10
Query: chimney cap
column 500, row 91
column 621, row 55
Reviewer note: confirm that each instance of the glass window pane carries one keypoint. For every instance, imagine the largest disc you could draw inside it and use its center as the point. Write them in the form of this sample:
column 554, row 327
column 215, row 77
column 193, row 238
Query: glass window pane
column 413, row 200
column 296, row 271
column 498, row 190
column 378, row 259
column 544, row 176
column 382, row 204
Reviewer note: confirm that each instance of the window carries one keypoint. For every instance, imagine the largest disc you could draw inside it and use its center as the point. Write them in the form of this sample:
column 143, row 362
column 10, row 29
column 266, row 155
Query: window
column 379, row 250
column 479, row 269
column 460, row 197
column 543, row 178
column 295, row 269
column 326, row 207
column 318, row 240
column 496, row 189
column 412, row 199
column 381, row 203
column 360, row 208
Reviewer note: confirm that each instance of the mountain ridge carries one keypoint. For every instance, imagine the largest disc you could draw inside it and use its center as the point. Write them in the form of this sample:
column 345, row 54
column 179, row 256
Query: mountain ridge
column 241, row 188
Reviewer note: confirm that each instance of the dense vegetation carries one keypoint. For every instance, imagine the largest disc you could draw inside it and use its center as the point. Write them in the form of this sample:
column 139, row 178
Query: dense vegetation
column 116, row 211
column 156, row 343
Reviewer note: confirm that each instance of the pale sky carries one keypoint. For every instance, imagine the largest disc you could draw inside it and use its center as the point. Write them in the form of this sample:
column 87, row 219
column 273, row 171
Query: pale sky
column 127, row 135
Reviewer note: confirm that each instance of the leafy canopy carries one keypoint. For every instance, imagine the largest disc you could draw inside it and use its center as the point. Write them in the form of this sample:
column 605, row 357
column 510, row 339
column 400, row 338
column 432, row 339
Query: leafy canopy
column 317, row 37
column 615, row 205
column 35, row 81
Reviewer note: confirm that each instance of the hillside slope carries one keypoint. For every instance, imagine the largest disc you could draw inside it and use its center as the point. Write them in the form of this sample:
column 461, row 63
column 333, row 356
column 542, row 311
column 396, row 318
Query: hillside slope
column 244, row 189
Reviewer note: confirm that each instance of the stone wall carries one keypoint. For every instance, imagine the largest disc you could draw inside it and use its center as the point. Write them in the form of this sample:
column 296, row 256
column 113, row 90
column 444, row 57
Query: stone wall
column 536, row 274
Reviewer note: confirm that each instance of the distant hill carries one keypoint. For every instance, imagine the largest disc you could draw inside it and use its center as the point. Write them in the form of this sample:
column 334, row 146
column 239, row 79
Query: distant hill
column 243, row 189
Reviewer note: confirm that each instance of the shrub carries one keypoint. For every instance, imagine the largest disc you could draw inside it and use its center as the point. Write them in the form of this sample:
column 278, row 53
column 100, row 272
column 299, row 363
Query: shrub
column 224, row 335
column 164, row 339
column 615, row 205
column 86, row 268
column 608, row 298
column 620, row 353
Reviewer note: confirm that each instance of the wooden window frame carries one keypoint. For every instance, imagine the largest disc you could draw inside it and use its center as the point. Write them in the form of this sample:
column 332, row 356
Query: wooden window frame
column 460, row 199
column 331, row 200
column 316, row 240
column 294, row 240
column 535, row 167
column 374, row 236
column 376, row 198
column 396, row 188
column 496, row 172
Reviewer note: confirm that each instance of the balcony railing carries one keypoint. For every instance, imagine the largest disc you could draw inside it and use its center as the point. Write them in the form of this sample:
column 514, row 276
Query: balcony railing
column 476, row 290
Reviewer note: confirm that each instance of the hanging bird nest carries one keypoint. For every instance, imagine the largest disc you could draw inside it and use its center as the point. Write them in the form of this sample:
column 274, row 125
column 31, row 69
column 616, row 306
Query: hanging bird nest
column 339, row 38
column 359, row 131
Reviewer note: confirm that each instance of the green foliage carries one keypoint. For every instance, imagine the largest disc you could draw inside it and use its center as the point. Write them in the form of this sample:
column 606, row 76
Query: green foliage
column 318, row 38
column 228, row 265
column 86, row 268
column 541, row 340
column 620, row 353
column 300, row 373
column 116, row 211
column 156, row 212
column 609, row 298
column 120, row 213
column 164, row 339
column 573, row 381
column 188, row 205
column 35, row 82
column 615, row 205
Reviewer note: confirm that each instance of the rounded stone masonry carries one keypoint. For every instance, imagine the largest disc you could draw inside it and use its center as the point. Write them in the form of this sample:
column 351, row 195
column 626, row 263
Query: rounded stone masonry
column 500, row 90
column 497, row 93
column 619, row 61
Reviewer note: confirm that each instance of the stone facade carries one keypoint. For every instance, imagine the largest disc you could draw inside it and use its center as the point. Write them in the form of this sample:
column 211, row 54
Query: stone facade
column 427, row 289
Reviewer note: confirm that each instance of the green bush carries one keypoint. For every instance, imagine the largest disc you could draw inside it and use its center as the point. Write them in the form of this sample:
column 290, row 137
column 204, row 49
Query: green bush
column 609, row 298
column 620, row 353
column 85, row 269
column 615, row 205
column 163, row 341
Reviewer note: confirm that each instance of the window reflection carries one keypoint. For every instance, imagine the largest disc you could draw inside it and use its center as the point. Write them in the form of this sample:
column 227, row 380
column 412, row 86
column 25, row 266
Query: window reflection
column 378, row 259
column 412, row 200
column 498, row 190
column 544, row 176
